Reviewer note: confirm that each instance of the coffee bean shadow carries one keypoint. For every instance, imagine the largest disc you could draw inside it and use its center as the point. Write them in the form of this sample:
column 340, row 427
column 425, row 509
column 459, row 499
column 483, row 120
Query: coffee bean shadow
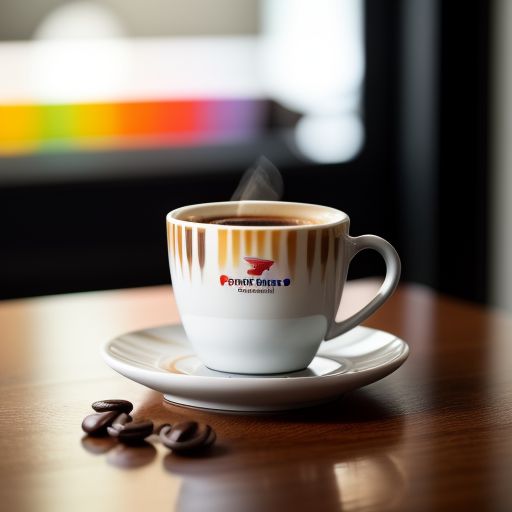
column 129, row 457
column 97, row 445
column 118, row 454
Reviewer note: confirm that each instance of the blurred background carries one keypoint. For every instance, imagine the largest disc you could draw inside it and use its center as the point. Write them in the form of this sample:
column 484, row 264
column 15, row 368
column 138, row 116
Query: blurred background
column 114, row 112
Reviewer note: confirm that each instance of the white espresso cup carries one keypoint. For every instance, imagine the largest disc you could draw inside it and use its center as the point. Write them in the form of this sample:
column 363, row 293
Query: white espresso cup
column 259, row 298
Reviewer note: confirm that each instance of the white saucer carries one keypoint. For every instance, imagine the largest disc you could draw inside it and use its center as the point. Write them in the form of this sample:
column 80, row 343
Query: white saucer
column 162, row 359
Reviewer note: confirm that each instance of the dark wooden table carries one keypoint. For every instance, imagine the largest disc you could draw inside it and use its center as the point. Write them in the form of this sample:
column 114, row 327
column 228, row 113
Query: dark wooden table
column 436, row 435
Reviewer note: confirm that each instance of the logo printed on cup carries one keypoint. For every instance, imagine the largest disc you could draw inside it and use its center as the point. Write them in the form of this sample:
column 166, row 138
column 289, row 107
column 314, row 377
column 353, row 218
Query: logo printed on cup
column 258, row 265
column 245, row 282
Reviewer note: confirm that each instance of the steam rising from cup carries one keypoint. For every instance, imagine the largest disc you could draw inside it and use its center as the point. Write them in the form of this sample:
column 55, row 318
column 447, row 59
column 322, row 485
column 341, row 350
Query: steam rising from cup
column 261, row 182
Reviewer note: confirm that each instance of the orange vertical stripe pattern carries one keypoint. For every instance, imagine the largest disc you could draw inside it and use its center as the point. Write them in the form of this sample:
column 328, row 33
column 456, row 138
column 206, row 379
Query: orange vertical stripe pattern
column 188, row 248
column 292, row 251
column 169, row 237
column 260, row 241
column 248, row 242
column 276, row 238
column 200, row 247
column 324, row 249
column 179, row 239
column 235, row 247
column 223, row 247
column 311, row 251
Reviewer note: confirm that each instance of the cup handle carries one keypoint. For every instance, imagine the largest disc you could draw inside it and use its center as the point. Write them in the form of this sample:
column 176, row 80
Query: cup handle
column 386, row 250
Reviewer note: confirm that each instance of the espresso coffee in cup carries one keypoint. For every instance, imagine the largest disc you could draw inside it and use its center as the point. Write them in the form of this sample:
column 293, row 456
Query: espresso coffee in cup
column 255, row 220
column 258, row 283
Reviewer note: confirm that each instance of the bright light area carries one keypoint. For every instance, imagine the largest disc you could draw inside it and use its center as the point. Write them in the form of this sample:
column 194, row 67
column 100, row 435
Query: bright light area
column 313, row 63
column 313, row 53
column 78, row 71
column 309, row 58
column 327, row 139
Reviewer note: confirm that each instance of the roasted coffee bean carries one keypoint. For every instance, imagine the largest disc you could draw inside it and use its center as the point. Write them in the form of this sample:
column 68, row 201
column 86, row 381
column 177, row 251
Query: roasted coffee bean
column 133, row 432
column 160, row 427
column 182, row 431
column 96, row 424
column 113, row 405
column 118, row 424
column 187, row 437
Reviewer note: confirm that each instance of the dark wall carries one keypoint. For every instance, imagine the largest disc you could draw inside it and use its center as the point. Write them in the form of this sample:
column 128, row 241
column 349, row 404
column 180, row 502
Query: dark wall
column 69, row 237
column 464, row 149
column 107, row 234
column 420, row 180
column 443, row 144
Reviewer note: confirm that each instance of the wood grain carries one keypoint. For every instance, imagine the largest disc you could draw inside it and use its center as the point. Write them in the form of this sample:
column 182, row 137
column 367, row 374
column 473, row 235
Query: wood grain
column 436, row 435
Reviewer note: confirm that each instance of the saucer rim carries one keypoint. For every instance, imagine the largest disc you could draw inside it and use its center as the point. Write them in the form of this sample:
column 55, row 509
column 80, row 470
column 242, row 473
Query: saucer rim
column 112, row 362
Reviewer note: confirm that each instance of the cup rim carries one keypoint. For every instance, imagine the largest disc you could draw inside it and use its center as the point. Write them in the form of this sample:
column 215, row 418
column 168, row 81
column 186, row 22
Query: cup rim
column 329, row 216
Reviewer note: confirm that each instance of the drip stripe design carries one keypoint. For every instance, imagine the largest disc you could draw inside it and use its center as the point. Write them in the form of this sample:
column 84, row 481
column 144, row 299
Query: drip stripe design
column 248, row 241
column 179, row 253
column 260, row 240
column 201, row 247
column 311, row 245
column 235, row 247
column 324, row 250
column 188, row 246
column 223, row 247
column 187, row 249
column 292, row 251
column 276, row 239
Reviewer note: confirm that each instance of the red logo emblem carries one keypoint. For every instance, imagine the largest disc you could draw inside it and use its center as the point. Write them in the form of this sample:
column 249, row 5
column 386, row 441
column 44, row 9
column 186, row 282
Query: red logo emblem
column 258, row 265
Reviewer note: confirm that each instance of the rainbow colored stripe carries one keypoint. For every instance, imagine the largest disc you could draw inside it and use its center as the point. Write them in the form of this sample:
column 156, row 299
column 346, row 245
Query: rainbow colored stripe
column 98, row 126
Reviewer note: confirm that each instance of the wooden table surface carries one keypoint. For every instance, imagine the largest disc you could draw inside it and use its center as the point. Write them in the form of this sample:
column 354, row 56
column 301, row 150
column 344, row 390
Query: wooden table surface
column 436, row 435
